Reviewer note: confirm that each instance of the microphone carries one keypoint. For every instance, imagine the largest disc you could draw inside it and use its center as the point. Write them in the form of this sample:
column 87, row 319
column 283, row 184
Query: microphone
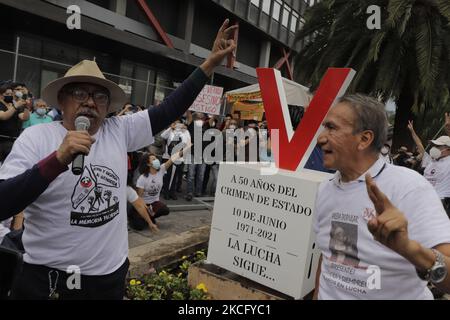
column 81, row 124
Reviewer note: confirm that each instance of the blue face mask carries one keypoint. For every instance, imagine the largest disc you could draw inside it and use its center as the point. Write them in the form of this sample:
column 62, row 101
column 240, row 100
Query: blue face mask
column 41, row 111
column 156, row 164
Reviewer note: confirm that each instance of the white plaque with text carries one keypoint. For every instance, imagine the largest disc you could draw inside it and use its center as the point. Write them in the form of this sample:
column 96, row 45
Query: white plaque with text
column 262, row 226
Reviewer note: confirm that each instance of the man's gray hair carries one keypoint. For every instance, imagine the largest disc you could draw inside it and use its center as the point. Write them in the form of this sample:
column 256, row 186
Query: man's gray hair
column 370, row 115
column 36, row 101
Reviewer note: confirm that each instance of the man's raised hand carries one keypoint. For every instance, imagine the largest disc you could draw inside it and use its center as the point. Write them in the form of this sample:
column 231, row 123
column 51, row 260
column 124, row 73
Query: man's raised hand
column 390, row 226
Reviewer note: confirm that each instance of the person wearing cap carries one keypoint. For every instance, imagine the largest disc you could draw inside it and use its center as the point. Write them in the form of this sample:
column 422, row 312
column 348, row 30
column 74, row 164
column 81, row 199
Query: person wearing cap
column 79, row 222
column 437, row 165
column 381, row 228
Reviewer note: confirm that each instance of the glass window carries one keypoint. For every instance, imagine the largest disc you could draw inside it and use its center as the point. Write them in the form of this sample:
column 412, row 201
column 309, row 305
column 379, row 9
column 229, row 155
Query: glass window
column 286, row 13
column 266, row 6
column 276, row 10
column 255, row 3
column 294, row 21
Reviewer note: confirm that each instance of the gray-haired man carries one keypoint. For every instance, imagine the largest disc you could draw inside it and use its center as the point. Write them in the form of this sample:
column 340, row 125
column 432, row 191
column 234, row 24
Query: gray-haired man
column 375, row 245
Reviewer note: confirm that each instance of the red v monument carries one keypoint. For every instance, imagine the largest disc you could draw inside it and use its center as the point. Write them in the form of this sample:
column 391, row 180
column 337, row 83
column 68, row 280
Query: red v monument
column 295, row 147
column 262, row 223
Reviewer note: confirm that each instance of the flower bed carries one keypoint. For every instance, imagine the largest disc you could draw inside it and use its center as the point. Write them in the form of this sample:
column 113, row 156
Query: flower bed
column 169, row 284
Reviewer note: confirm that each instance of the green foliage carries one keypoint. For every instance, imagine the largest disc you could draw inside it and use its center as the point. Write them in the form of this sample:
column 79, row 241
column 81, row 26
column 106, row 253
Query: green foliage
column 408, row 57
column 168, row 285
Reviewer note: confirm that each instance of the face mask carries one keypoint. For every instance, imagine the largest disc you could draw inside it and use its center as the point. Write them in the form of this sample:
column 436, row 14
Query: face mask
column 178, row 127
column 199, row 123
column 8, row 99
column 384, row 151
column 25, row 97
column 213, row 124
column 41, row 111
column 19, row 94
column 156, row 164
column 435, row 153
column 232, row 127
column 128, row 113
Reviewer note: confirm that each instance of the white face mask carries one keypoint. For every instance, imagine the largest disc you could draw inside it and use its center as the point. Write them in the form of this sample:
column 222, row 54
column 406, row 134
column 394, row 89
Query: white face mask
column 199, row 123
column 19, row 94
column 128, row 113
column 232, row 127
column 435, row 153
column 384, row 151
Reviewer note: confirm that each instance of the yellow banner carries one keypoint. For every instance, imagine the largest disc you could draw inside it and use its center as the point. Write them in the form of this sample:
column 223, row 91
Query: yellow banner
column 244, row 96
column 249, row 111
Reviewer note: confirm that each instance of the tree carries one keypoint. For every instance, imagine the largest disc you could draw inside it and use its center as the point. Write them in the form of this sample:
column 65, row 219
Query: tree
column 407, row 59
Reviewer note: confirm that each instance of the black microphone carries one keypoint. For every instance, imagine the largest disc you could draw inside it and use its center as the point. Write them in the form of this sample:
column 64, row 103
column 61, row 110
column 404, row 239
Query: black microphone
column 81, row 124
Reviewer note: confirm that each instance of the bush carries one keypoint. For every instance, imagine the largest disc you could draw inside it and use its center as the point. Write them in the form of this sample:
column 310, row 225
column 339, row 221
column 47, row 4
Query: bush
column 169, row 285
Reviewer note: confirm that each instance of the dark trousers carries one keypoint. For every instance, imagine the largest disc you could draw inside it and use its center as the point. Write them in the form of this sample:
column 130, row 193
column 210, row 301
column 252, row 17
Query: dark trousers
column 171, row 187
column 138, row 223
column 34, row 283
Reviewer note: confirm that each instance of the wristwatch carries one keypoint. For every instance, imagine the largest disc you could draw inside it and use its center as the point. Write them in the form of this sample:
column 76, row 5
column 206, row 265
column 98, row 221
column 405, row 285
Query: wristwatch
column 438, row 272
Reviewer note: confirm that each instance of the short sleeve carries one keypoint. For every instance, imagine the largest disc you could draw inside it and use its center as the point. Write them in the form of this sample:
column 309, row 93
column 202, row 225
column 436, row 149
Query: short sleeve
column 428, row 222
column 141, row 182
column 138, row 131
column 132, row 195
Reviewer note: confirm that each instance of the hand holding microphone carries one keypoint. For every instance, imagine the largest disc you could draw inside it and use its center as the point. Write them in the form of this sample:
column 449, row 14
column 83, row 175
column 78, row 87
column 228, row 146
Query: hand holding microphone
column 76, row 145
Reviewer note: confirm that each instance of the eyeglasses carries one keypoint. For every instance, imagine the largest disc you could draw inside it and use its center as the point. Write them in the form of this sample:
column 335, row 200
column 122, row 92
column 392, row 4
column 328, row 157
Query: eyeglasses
column 81, row 95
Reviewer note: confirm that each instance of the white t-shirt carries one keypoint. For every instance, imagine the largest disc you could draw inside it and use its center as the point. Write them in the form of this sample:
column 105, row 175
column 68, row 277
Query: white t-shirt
column 80, row 220
column 350, row 254
column 438, row 174
column 182, row 136
column 132, row 195
column 152, row 185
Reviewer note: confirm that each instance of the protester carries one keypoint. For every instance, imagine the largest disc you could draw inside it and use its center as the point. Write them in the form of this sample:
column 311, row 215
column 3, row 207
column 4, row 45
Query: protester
column 39, row 115
column 175, row 135
column 128, row 109
column 12, row 114
column 138, row 213
column 436, row 164
column 386, row 153
column 150, row 183
column 81, row 220
column 388, row 218
column 196, row 168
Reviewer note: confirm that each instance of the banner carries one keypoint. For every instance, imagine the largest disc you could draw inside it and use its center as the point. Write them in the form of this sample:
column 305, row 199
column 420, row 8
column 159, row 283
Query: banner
column 244, row 96
column 208, row 101
column 249, row 111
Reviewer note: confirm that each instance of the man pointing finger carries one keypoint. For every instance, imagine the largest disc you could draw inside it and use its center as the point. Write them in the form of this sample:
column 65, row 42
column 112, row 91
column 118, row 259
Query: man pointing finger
column 389, row 216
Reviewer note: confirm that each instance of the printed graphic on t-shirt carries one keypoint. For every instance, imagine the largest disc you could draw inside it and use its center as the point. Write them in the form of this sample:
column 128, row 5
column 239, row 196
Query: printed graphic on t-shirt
column 343, row 269
column 94, row 199
column 343, row 243
column 153, row 189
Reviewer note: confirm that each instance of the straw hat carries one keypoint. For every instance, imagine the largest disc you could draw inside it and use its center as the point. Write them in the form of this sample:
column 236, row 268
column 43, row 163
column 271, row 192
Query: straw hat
column 88, row 72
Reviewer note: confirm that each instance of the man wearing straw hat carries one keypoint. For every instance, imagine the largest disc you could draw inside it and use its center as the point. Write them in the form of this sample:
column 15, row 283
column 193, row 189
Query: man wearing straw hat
column 78, row 223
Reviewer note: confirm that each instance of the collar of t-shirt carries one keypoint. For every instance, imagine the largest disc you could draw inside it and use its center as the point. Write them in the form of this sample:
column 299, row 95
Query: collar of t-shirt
column 374, row 171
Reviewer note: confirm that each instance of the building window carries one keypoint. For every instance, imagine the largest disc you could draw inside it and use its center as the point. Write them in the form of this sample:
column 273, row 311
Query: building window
column 266, row 6
column 286, row 13
column 276, row 10
column 255, row 3
column 294, row 21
